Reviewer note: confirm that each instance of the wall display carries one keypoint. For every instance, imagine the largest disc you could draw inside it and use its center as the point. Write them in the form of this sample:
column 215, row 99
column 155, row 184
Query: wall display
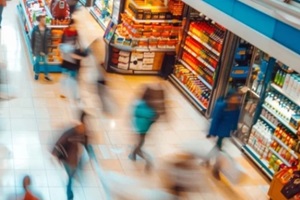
column 28, row 10
column 199, row 57
column 102, row 11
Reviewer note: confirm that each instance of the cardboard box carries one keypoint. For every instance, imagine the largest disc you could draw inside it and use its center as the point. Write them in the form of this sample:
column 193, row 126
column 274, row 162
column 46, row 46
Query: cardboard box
column 123, row 66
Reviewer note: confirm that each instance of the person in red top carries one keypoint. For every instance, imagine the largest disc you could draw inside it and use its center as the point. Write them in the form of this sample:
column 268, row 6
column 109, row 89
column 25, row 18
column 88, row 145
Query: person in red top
column 28, row 194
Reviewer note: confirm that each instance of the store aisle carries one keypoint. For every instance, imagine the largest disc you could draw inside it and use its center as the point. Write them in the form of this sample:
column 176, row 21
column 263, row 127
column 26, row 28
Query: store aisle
column 32, row 121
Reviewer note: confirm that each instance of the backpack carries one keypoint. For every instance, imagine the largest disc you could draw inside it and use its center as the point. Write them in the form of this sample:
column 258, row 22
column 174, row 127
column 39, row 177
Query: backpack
column 60, row 9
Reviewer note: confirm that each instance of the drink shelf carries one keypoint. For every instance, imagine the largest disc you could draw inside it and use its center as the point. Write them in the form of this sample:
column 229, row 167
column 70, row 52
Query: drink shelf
column 283, row 121
column 199, row 58
column 196, row 74
column 262, row 164
column 280, row 157
column 185, row 89
column 280, row 90
column 203, row 43
column 102, row 8
column 285, row 146
column 98, row 19
column 151, row 21
column 28, row 22
column 268, row 121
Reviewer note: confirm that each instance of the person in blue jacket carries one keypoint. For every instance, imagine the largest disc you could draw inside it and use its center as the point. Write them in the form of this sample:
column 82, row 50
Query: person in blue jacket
column 225, row 117
column 146, row 111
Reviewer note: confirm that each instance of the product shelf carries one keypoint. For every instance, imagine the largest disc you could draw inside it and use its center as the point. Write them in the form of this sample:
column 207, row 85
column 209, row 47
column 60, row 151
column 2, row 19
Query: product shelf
column 278, row 89
column 98, row 19
column 263, row 164
column 132, row 71
column 139, row 49
column 101, row 8
column 199, row 58
column 196, row 74
column 203, row 43
column 151, row 21
column 29, row 25
column 283, row 121
column 188, row 92
column 280, row 157
column 268, row 122
column 285, row 146
column 146, row 6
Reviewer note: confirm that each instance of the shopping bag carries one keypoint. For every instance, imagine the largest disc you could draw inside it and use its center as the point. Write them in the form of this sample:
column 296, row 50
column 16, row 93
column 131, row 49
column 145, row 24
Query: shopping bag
column 231, row 170
column 292, row 188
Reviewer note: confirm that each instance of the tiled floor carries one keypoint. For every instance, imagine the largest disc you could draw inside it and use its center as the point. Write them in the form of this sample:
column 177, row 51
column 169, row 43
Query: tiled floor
column 32, row 121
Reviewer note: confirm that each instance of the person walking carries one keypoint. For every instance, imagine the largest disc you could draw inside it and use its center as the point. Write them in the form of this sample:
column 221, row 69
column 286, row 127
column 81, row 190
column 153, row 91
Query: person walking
column 39, row 43
column 67, row 150
column 71, row 62
column 224, row 120
column 2, row 5
column 146, row 111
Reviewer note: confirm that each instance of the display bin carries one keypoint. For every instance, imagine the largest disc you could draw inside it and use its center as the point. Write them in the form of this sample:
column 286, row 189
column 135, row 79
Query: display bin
column 277, row 184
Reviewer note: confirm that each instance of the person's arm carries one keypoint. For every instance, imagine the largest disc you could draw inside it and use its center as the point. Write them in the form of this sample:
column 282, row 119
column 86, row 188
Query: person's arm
column 33, row 38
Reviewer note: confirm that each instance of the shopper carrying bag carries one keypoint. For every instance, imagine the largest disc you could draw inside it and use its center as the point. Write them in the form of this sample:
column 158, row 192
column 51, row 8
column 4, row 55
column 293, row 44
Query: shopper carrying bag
column 2, row 5
column 40, row 37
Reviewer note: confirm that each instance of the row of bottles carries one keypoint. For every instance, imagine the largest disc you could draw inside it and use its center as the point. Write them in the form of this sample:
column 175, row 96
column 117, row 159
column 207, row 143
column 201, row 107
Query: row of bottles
column 281, row 106
column 290, row 83
column 266, row 114
column 195, row 86
column 289, row 139
column 260, row 138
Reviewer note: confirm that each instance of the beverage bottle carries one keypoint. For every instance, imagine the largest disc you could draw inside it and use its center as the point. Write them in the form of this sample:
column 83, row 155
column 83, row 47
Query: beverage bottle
column 282, row 79
column 277, row 77
column 286, row 82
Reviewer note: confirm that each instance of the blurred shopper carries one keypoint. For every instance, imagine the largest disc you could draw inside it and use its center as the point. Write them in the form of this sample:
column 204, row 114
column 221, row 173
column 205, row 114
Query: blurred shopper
column 224, row 120
column 72, row 5
column 181, row 174
column 28, row 193
column 2, row 5
column 146, row 111
column 68, row 148
column 40, row 37
column 71, row 62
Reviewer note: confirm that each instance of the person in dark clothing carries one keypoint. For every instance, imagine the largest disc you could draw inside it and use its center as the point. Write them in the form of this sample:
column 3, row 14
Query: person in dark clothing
column 147, row 110
column 224, row 120
column 40, row 37
column 67, row 150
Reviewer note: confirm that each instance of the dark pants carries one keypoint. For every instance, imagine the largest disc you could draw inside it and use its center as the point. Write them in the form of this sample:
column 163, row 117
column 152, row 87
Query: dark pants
column 220, row 142
column 138, row 149
column 71, row 172
column 1, row 11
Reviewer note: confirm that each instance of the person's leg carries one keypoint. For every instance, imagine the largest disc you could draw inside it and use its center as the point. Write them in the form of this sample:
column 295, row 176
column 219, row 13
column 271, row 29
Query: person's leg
column 1, row 11
column 36, row 67
column 71, row 172
column 220, row 142
column 46, row 68
column 137, row 149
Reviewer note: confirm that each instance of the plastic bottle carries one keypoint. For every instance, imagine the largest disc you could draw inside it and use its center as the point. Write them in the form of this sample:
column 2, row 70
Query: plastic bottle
column 277, row 77
column 286, row 82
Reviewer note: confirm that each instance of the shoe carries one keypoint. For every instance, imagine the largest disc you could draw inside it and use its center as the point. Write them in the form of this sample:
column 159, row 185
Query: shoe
column 131, row 157
column 208, row 136
column 70, row 195
column 36, row 77
column 47, row 78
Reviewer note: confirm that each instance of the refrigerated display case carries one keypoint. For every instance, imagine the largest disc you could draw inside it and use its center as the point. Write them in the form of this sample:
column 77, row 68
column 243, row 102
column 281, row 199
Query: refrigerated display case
column 147, row 32
column 270, row 120
column 199, row 58
column 106, row 10
column 27, row 11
